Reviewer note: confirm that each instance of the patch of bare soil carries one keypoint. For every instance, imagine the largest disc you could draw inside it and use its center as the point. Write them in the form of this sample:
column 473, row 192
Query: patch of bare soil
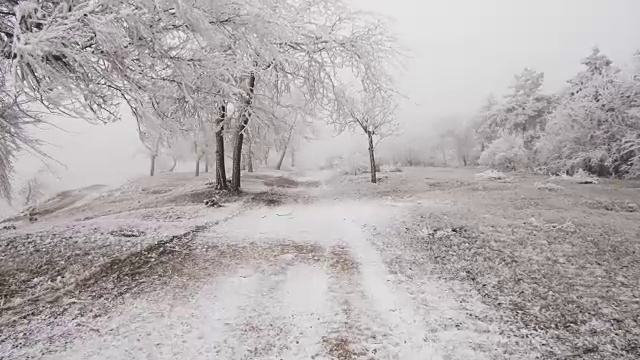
column 198, row 196
column 341, row 261
column 51, row 288
column 284, row 182
column 340, row 348
column 275, row 198
column 555, row 269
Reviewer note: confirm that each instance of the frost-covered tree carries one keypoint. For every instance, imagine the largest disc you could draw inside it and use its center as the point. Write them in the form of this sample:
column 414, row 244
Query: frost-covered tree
column 490, row 122
column 15, row 120
column 303, row 51
column 596, row 122
column 86, row 57
column 526, row 109
column 373, row 113
column 523, row 114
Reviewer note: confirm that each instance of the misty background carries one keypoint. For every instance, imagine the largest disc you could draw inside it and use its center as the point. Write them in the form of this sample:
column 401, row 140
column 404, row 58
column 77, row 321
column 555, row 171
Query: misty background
column 459, row 52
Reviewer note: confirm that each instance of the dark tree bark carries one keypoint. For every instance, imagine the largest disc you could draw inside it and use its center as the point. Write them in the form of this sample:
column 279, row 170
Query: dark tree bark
column 152, row 171
column 284, row 152
column 464, row 160
column 237, row 149
column 206, row 164
column 198, row 166
column 293, row 157
column 372, row 158
column 221, row 173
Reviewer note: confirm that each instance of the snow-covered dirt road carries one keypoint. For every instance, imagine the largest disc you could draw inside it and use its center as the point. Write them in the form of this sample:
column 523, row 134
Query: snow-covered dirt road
column 428, row 264
column 303, row 281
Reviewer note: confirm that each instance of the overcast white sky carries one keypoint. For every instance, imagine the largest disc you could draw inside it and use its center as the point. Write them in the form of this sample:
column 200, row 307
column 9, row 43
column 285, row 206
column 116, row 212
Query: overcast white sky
column 461, row 50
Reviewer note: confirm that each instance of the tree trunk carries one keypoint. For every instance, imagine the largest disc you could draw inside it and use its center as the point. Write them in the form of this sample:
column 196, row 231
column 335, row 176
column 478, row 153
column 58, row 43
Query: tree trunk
column 221, row 173
column 249, row 157
column 464, row 160
column 175, row 162
column 266, row 157
column 293, row 157
column 372, row 158
column 444, row 156
column 237, row 149
column 206, row 164
column 284, row 152
column 152, row 171
column 197, row 166
column 27, row 199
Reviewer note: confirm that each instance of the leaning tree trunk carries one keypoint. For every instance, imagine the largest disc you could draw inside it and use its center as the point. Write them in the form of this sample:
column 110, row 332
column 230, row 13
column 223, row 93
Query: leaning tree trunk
column 175, row 162
column 237, row 149
column 284, row 152
column 221, row 173
column 152, row 171
column 372, row 158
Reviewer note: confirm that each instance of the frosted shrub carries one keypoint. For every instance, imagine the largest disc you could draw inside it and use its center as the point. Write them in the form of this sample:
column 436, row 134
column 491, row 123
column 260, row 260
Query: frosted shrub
column 506, row 154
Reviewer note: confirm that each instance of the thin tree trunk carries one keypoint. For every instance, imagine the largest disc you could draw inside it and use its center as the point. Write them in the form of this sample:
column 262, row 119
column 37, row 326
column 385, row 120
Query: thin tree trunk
column 198, row 166
column 206, row 164
column 284, row 152
column 237, row 149
column 249, row 157
column 464, row 160
column 293, row 157
column 27, row 200
column 444, row 157
column 266, row 156
column 221, row 173
column 175, row 162
column 152, row 171
column 372, row 158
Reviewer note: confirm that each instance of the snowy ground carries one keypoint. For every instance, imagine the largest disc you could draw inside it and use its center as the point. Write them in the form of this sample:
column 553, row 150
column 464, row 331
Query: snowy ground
column 428, row 264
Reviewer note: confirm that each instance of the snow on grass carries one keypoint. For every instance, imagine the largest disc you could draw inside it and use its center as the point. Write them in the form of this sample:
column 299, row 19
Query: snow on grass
column 492, row 175
column 548, row 186
column 580, row 177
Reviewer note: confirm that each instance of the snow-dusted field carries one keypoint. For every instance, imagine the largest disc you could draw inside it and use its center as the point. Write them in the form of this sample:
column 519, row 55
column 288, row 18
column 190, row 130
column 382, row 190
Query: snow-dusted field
column 428, row 264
